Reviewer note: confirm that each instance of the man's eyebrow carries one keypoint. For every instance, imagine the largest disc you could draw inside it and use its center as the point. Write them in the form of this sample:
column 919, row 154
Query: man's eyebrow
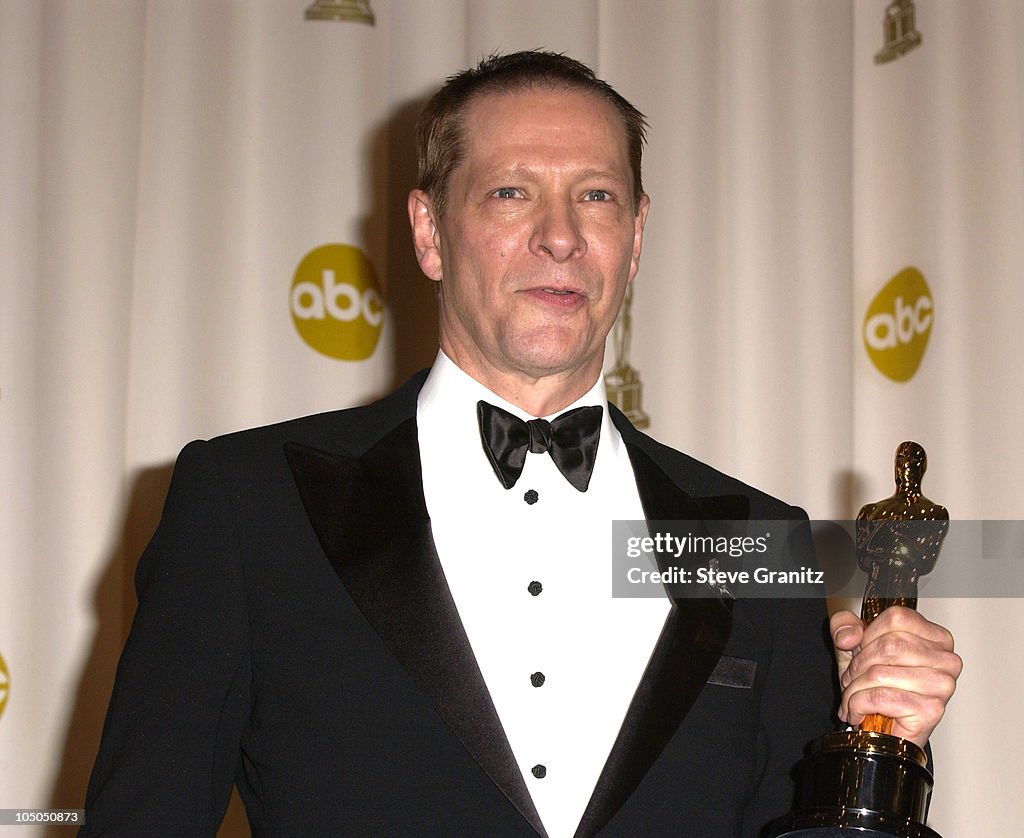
column 601, row 174
column 512, row 173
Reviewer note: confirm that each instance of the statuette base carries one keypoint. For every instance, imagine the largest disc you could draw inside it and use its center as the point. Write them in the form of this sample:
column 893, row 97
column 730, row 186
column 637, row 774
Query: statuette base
column 860, row 783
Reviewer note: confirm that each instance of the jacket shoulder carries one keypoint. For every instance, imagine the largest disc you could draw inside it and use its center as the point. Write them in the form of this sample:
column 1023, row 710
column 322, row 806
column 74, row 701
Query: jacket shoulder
column 701, row 480
column 348, row 431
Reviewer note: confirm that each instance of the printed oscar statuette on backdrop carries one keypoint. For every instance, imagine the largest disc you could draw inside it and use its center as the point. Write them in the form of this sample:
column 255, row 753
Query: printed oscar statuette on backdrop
column 867, row 782
column 622, row 382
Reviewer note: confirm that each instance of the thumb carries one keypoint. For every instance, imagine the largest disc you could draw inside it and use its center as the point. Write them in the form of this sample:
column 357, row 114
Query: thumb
column 847, row 631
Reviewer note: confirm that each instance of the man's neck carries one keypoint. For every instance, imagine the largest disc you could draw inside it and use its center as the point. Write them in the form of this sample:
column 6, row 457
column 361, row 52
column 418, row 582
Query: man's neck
column 536, row 398
column 539, row 396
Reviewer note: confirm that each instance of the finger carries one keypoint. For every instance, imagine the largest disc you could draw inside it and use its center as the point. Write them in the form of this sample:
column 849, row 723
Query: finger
column 892, row 685
column 898, row 649
column 900, row 619
column 846, row 629
column 915, row 699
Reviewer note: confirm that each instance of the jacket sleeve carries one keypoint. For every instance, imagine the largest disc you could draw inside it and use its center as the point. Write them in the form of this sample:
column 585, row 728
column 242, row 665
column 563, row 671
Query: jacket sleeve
column 170, row 745
column 800, row 696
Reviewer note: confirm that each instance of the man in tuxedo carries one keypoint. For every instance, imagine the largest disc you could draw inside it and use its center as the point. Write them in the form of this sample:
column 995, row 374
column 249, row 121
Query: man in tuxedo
column 396, row 619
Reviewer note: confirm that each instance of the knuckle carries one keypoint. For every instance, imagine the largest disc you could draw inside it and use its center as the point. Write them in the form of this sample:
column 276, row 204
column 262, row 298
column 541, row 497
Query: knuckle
column 901, row 702
column 875, row 672
column 947, row 686
column 882, row 699
column 900, row 618
column 932, row 709
column 900, row 615
column 894, row 646
column 945, row 638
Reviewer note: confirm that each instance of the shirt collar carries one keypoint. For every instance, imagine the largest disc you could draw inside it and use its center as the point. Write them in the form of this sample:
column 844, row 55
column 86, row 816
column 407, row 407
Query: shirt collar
column 446, row 415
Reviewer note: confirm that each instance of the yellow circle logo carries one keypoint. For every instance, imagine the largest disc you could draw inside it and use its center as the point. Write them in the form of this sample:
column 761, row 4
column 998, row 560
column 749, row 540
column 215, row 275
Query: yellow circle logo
column 898, row 323
column 336, row 303
column 5, row 684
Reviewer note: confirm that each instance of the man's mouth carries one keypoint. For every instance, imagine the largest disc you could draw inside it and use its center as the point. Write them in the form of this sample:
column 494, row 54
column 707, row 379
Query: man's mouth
column 558, row 299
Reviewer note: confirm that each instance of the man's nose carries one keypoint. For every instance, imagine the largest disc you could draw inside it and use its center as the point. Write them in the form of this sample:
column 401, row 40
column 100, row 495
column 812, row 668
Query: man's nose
column 557, row 233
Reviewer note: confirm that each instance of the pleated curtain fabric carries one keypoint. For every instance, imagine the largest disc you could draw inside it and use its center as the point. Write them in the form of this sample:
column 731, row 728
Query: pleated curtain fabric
column 202, row 228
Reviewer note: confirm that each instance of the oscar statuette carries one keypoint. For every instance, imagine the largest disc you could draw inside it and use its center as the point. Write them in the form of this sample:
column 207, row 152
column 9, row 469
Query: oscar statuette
column 867, row 782
column 622, row 382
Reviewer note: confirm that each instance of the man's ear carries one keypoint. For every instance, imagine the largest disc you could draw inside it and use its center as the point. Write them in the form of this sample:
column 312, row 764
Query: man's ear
column 426, row 238
column 638, row 234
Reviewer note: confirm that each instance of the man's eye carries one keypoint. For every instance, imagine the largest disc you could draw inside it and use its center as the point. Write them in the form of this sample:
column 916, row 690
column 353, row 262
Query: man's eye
column 597, row 195
column 506, row 192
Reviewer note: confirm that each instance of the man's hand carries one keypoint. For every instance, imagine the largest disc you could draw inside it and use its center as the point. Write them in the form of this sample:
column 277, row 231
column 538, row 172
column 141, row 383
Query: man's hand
column 901, row 666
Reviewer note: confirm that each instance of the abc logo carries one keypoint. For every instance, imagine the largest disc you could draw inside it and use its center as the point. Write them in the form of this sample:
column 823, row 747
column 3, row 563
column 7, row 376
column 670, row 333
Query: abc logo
column 336, row 303
column 898, row 323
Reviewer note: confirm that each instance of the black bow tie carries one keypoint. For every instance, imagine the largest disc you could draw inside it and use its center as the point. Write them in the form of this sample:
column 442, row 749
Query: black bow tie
column 570, row 439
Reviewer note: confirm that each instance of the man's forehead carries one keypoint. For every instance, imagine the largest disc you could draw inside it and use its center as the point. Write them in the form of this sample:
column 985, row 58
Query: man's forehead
column 540, row 113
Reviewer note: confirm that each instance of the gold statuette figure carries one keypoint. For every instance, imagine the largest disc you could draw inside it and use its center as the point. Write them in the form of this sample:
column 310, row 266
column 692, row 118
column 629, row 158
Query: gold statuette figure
column 867, row 782
column 898, row 542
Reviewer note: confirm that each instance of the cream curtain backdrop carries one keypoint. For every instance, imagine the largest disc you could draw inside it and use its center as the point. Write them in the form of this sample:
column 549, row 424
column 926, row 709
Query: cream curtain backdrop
column 165, row 166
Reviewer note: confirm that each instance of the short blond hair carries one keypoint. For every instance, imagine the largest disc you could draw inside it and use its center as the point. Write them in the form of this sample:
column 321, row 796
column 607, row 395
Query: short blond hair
column 440, row 144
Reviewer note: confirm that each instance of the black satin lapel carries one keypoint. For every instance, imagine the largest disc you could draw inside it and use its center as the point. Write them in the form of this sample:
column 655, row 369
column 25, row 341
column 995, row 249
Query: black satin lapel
column 691, row 642
column 371, row 519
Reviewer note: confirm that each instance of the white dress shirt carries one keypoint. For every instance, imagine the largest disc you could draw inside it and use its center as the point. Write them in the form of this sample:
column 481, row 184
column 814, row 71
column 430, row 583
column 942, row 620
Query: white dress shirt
column 532, row 583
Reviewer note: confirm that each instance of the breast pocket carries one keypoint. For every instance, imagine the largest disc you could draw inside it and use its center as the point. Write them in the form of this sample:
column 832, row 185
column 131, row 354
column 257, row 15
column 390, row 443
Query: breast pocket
column 734, row 672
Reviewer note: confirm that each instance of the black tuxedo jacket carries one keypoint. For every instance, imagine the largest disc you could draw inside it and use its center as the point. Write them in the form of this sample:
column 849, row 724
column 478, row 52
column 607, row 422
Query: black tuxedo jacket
column 295, row 636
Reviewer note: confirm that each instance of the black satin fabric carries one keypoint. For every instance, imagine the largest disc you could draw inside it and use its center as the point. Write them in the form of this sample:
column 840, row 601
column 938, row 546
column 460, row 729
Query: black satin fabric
column 571, row 440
